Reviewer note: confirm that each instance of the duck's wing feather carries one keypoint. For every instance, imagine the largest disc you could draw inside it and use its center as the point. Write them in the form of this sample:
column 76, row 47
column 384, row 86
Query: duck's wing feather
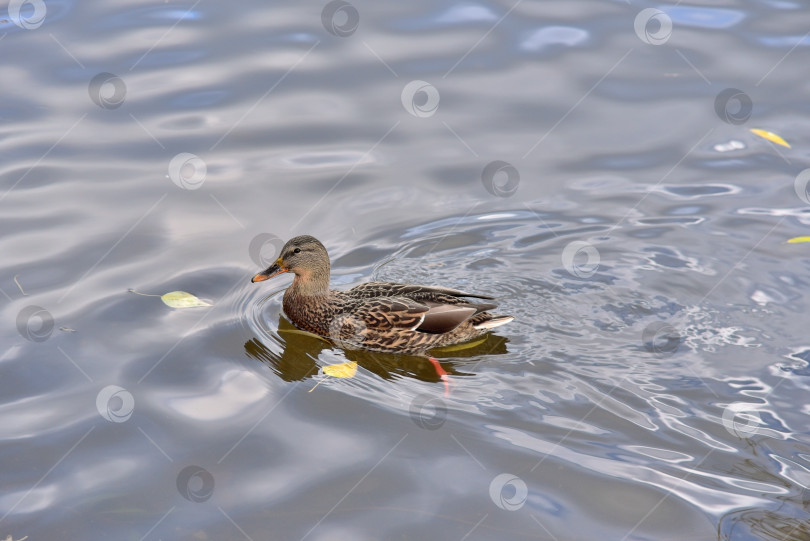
column 387, row 313
column 412, row 291
column 441, row 318
column 403, row 313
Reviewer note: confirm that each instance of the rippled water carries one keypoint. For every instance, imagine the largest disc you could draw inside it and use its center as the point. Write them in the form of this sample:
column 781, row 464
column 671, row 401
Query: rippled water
column 591, row 164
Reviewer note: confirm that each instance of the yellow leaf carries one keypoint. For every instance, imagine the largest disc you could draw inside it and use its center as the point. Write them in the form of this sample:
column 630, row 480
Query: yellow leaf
column 799, row 239
column 181, row 299
column 342, row 370
column 770, row 136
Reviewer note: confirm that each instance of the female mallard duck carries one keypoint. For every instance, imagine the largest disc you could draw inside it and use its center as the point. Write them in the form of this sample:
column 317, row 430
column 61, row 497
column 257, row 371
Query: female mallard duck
column 377, row 316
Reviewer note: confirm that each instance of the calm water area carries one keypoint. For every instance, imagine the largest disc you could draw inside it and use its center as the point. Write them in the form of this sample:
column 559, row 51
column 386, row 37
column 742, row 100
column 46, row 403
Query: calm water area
column 591, row 164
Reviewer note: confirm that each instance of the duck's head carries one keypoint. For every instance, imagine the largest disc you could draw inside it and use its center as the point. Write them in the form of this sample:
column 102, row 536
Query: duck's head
column 304, row 255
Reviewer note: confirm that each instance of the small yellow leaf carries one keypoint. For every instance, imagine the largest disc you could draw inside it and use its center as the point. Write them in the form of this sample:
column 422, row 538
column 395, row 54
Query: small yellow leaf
column 342, row 370
column 181, row 299
column 770, row 136
column 799, row 239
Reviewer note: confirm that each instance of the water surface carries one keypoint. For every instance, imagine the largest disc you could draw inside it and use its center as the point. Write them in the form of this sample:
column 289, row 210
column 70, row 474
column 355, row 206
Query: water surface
column 590, row 164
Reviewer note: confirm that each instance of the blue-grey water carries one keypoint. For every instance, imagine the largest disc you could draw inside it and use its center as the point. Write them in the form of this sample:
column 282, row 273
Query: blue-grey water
column 589, row 163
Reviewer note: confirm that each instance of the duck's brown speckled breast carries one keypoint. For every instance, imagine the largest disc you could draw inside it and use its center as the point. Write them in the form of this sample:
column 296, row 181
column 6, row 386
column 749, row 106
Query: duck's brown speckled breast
column 312, row 314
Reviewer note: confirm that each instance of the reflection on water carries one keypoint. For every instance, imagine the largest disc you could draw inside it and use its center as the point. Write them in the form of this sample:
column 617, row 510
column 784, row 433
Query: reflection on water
column 763, row 524
column 590, row 164
column 298, row 358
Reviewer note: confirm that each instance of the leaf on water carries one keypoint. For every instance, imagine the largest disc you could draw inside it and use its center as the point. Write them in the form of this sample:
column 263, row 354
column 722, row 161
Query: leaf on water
column 341, row 370
column 799, row 239
column 181, row 299
column 770, row 136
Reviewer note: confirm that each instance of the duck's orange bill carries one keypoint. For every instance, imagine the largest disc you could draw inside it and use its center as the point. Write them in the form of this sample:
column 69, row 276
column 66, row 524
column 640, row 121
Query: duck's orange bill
column 261, row 277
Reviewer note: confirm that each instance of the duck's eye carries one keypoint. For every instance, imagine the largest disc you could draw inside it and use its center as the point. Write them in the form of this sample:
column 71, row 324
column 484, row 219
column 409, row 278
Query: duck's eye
column 297, row 251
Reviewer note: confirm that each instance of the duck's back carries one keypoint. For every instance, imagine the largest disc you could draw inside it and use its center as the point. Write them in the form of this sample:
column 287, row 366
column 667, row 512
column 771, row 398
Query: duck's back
column 412, row 291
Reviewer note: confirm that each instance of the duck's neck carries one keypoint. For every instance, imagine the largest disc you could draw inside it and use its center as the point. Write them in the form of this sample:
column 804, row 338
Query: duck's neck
column 303, row 301
column 310, row 285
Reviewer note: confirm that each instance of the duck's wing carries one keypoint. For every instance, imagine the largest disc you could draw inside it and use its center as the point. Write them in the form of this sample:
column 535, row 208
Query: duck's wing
column 389, row 314
column 393, row 314
column 442, row 318
column 412, row 291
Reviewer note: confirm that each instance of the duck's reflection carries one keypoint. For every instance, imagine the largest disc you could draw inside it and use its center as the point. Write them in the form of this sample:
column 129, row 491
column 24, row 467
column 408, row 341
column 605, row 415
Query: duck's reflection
column 765, row 525
column 297, row 360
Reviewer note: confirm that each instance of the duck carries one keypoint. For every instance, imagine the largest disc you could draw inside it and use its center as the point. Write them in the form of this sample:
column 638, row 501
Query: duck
column 383, row 317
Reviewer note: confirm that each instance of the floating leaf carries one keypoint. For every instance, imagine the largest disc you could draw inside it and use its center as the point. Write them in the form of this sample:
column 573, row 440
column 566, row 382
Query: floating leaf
column 799, row 239
column 176, row 299
column 770, row 136
column 341, row 370
column 181, row 299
